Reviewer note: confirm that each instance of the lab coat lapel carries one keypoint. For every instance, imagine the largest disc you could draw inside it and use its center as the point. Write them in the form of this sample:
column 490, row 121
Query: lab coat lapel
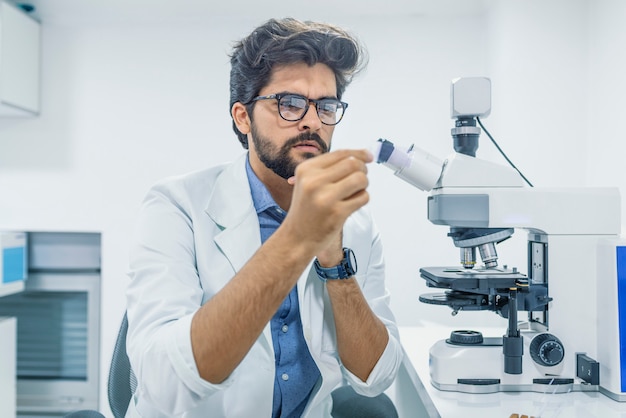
column 231, row 208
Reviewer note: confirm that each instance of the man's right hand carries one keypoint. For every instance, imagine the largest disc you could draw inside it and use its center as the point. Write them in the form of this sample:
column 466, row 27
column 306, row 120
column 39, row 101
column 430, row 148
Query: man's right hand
column 327, row 190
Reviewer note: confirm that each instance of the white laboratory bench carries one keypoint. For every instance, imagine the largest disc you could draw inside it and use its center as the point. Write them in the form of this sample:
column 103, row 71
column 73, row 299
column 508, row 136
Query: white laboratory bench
column 414, row 377
column 8, row 330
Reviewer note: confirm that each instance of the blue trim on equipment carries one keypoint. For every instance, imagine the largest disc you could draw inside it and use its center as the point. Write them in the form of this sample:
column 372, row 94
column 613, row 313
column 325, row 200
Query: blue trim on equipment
column 13, row 264
column 621, row 310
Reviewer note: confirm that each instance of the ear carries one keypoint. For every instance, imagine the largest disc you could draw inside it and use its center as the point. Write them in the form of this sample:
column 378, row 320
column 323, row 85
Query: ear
column 239, row 112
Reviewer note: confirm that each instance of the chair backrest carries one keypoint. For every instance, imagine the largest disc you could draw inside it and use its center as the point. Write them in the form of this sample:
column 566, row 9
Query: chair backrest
column 122, row 381
column 349, row 404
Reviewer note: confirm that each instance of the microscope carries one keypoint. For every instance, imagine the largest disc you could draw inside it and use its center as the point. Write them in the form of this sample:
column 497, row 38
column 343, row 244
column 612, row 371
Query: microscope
column 563, row 331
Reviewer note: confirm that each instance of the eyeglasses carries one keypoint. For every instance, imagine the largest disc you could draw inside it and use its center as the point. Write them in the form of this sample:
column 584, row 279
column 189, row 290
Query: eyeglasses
column 293, row 107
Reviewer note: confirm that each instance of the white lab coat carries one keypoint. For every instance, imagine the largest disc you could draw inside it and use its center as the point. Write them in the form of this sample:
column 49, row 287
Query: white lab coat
column 194, row 233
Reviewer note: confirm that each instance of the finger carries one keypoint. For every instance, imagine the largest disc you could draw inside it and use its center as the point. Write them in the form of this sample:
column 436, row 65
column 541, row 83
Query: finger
column 345, row 188
column 350, row 185
column 331, row 173
column 354, row 202
column 342, row 169
column 331, row 158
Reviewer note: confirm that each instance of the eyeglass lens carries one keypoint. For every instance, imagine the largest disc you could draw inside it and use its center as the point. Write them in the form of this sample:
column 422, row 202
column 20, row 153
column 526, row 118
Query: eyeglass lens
column 292, row 108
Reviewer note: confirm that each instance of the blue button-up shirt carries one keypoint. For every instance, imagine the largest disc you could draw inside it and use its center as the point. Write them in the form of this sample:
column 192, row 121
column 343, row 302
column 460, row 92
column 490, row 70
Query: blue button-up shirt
column 296, row 372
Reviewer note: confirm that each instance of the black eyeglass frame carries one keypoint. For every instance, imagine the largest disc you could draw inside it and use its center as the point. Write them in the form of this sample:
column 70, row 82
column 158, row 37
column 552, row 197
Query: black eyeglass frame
column 316, row 102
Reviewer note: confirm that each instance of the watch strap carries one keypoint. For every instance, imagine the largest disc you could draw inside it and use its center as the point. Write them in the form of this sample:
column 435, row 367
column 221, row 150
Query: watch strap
column 344, row 270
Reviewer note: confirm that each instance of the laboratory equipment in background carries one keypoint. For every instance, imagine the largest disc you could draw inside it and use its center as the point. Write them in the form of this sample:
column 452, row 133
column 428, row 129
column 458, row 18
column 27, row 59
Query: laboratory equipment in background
column 563, row 330
column 12, row 275
column 12, row 261
column 58, row 324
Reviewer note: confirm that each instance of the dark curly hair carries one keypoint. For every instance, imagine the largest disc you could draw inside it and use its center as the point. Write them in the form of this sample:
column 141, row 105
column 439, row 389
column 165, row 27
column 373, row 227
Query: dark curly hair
column 290, row 41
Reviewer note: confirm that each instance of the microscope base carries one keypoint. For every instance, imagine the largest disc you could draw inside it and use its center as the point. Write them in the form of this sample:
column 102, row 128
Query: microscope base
column 480, row 369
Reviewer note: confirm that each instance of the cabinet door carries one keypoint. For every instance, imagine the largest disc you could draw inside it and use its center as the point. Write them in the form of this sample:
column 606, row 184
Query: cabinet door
column 19, row 62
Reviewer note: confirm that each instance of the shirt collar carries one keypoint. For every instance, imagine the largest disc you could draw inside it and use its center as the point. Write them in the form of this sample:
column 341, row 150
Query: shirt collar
column 261, row 197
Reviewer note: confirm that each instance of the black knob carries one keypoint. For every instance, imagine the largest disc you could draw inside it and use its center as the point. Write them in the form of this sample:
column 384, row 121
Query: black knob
column 547, row 350
column 465, row 337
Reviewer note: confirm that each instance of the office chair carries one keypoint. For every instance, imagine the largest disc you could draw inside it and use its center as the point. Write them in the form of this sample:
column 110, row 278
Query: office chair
column 349, row 404
column 122, row 383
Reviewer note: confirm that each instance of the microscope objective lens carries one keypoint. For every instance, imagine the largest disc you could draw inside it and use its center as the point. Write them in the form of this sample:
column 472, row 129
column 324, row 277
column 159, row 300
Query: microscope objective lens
column 468, row 257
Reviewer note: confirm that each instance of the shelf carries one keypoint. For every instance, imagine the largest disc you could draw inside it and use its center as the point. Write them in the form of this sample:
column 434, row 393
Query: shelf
column 11, row 288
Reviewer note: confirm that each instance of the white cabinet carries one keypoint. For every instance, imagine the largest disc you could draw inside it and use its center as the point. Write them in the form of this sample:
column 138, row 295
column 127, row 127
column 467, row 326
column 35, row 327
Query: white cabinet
column 20, row 41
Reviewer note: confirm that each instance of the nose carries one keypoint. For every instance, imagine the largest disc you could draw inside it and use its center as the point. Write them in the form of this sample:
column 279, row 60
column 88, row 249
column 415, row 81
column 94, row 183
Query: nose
column 311, row 120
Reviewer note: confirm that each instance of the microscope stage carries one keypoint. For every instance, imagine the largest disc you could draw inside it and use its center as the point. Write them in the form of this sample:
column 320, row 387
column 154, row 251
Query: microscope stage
column 464, row 279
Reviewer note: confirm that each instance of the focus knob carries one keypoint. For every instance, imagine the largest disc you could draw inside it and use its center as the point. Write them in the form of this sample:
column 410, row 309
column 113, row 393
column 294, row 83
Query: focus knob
column 547, row 350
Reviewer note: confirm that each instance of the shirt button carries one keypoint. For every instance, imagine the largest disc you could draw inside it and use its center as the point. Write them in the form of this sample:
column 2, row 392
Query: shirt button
column 285, row 328
column 285, row 376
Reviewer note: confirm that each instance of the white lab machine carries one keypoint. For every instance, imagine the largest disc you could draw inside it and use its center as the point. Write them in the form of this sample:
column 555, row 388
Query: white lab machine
column 565, row 311
column 13, row 249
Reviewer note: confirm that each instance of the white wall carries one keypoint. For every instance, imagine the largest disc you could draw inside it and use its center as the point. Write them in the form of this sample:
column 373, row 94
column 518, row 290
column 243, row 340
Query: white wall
column 127, row 104
column 606, row 145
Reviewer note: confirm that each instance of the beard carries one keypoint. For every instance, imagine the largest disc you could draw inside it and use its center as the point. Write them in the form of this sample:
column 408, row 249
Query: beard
column 278, row 159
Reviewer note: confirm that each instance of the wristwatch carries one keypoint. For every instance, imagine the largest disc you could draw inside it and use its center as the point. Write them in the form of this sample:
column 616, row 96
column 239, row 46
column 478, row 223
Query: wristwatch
column 344, row 270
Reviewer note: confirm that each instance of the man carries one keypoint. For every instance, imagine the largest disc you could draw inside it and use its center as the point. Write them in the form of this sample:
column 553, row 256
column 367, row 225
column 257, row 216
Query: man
column 258, row 286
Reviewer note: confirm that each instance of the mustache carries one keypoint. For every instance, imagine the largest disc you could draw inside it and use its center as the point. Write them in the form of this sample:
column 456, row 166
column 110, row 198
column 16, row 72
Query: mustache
column 306, row 136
